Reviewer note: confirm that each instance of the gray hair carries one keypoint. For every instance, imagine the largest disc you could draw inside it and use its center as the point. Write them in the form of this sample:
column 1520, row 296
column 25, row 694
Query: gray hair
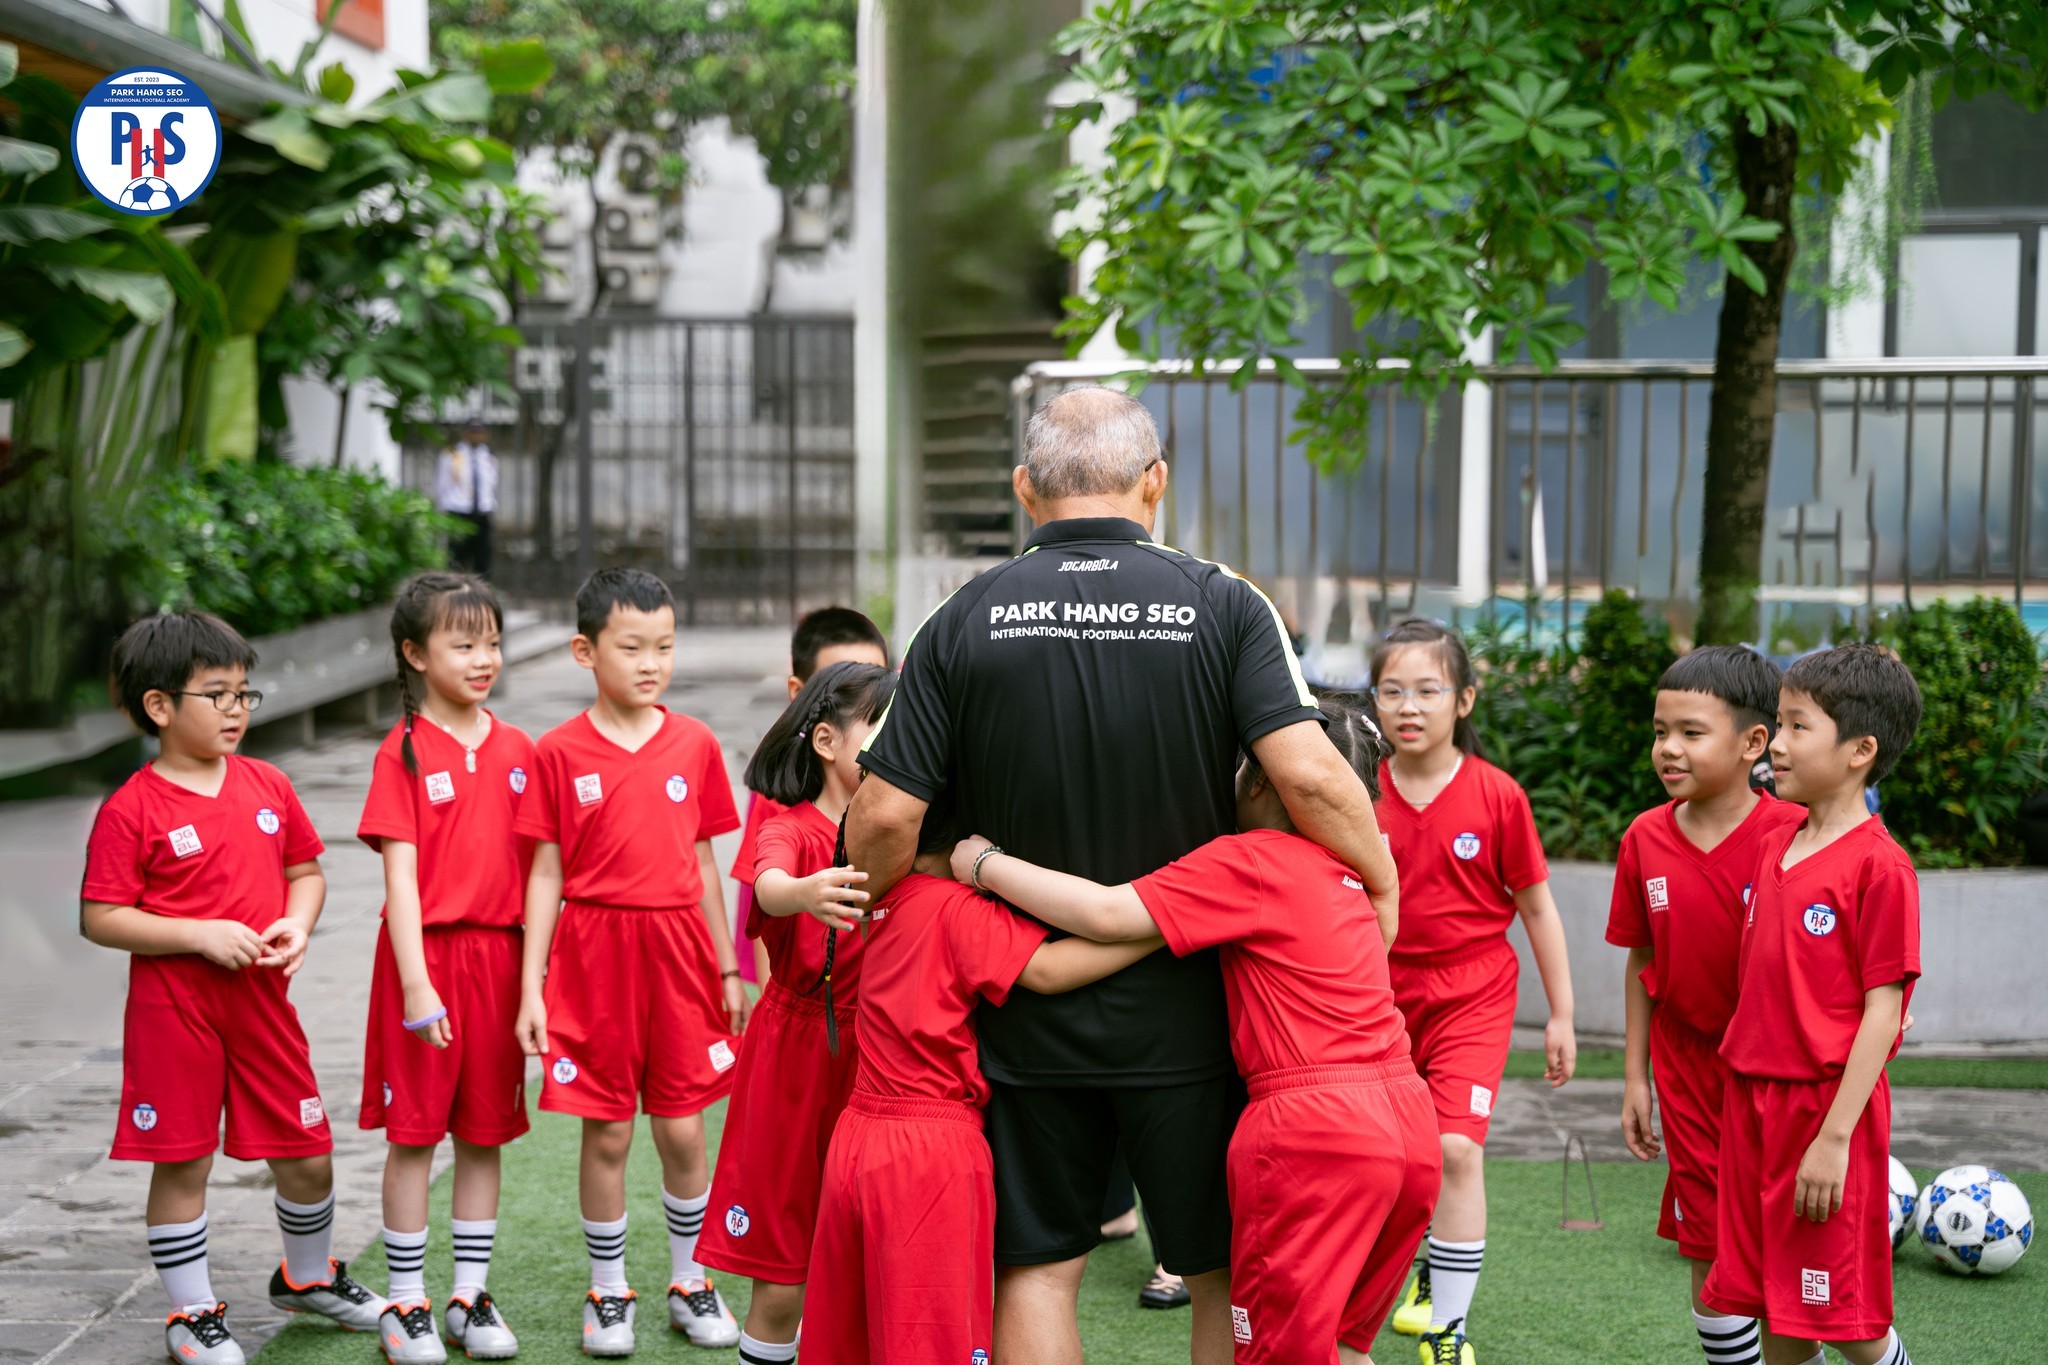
column 1088, row 442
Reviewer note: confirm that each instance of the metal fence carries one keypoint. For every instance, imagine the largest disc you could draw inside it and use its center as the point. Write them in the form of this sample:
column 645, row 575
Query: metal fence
column 716, row 453
column 1889, row 480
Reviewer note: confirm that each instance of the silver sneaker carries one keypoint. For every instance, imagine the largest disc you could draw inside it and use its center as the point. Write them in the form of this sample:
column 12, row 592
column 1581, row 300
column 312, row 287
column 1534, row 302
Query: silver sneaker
column 698, row 1311
column 340, row 1298
column 202, row 1338
column 608, row 1323
column 406, row 1332
column 476, row 1329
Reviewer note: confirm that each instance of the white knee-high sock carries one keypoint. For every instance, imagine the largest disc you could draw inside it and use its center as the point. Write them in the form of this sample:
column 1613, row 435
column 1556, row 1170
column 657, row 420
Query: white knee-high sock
column 753, row 1352
column 1728, row 1341
column 685, row 1221
column 405, row 1256
column 308, row 1231
column 606, row 1243
column 179, row 1253
column 474, row 1238
column 1453, row 1276
column 1895, row 1350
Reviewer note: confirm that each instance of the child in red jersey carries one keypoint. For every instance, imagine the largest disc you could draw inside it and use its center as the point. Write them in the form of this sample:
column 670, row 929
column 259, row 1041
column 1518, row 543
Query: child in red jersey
column 1334, row 1166
column 205, row 867
column 1470, row 861
column 1681, row 886
column 1830, row 951
column 629, row 987
column 798, row 1065
column 902, row 1266
column 827, row 636
column 439, row 1054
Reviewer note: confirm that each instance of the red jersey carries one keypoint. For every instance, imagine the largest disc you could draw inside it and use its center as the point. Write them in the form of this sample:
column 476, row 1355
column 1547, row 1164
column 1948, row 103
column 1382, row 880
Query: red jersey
column 1841, row 922
column 760, row 810
column 472, row 866
column 1304, row 970
column 629, row 823
column 161, row 848
column 800, row 841
column 1687, row 904
column 1461, row 858
column 936, row 949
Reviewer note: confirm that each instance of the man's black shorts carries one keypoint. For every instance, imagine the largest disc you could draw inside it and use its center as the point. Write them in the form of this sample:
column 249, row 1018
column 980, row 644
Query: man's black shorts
column 1054, row 1147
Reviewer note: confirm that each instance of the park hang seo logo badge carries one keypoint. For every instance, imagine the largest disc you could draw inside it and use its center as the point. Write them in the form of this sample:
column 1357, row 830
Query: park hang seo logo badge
column 564, row 1071
column 387, row 1092
column 737, row 1222
column 1466, row 846
column 977, row 1357
column 267, row 821
column 677, row 788
column 143, row 1116
column 146, row 141
column 519, row 781
column 1819, row 920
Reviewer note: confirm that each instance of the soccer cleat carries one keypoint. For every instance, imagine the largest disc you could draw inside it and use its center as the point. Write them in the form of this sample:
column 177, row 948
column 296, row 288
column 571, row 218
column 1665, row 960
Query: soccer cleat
column 698, row 1311
column 475, row 1327
column 339, row 1298
column 1411, row 1318
column 1447, row 1346
column 608, row 1323
column 202, row 1338
column 406, row 1332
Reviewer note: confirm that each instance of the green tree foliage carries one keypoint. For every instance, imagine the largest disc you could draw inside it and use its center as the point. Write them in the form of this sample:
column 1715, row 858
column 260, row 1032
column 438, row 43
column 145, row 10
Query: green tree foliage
column 1456, row 163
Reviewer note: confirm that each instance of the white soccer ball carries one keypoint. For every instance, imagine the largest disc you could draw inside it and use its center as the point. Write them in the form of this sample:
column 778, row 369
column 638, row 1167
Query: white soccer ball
column 1905, row 1199
column 150, row 193
column 1975, row 1221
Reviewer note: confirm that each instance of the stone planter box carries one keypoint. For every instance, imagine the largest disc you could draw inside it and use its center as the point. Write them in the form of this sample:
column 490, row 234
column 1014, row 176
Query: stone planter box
column 1983, row 951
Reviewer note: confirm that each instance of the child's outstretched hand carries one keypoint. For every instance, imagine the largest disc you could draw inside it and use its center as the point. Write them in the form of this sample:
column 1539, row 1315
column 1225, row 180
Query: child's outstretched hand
column 531, row 1028
column 284, row 947
column 830, row 897
column 422, row 1001
column 1560, row 1051
column 227, row 943
column 1636, row 1108
column 964, row 854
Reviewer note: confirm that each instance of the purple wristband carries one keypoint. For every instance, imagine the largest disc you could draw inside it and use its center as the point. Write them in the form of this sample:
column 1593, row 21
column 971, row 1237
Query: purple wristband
column 415, row 1025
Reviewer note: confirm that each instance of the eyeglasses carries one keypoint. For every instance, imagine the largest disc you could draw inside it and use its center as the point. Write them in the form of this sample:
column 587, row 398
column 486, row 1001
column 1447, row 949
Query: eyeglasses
column 1426, row 697
column 224, row 702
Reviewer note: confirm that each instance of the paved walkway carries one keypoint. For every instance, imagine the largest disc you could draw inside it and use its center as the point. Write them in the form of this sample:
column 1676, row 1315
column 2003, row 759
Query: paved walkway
column 75, row 1279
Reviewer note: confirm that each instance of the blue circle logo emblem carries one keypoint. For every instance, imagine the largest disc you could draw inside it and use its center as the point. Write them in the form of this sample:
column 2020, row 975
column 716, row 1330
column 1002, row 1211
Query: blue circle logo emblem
column 146, row 141
column 518, row 781
column 737, row 1222
column 267, row 821
column 677, row 788
column 1466, row 846
column 564, row 1071
column 144, row 1116
column 1819, row 920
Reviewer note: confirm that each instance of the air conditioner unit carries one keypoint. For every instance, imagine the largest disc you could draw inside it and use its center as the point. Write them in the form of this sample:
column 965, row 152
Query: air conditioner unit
column 631, row 224
column 558, row 233
column 638, row 162
column 558, row 278
column 633, row 279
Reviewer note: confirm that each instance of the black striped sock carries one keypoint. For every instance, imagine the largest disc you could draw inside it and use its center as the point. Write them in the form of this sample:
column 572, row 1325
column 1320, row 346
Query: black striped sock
column 1896, row 1353
column 1729, row 1340
column 308, row 1239
column 606, row 1243
column 178, row 1250
column 405, row 1254
column 753, row 1352
column 474, row 1239
column 685, row 1221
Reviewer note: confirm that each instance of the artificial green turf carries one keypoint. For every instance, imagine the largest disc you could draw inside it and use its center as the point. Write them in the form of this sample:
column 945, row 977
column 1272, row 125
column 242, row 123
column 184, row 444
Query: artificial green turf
column 1549, row 1297
column 1981, row 1073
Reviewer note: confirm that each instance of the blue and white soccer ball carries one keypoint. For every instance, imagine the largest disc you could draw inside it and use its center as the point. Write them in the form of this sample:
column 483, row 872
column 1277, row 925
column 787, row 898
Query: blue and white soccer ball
column 1975, row 1221
column 1905, row 1199
column 150, row 194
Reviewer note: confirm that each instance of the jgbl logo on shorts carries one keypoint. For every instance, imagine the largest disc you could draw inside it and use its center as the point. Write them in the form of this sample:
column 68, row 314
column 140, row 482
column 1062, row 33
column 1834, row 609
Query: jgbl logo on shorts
column 143, row 1116
column 564, row 1071
column 721, row 1056
column 1353, row 884
column 1240, row 1323
column 1659, row 893
column 440, row 788
column 589, row 791
column 311, row 1115
column 1819, row 920
column 1482, row 1101
column 1466, row 846
column 184, row 841
column 737, row 1222
column 267, row 821
column 677, row 788
column 1813, row 1286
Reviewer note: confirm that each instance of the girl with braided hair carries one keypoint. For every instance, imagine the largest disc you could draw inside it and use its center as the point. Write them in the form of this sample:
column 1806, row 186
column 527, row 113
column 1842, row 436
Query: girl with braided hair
column 440, row 1055
column 802, row 1050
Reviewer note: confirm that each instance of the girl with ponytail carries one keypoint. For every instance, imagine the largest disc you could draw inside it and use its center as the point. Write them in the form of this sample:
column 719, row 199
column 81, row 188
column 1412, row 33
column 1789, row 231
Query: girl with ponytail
column 439, row 1054
column 798, row 1065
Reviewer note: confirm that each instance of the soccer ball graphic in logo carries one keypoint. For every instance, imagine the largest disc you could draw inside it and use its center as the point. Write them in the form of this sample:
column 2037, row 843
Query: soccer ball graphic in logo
column 1975, row 1221
column 1905, row 1199
column 149, row 194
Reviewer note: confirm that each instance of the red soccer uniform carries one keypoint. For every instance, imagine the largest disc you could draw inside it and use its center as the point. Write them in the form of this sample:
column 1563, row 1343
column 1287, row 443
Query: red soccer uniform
column 472, row 869
column 902, row 1268
column 634, row 1005
column 1462, row 858
column 196, row 1036
column 790, row 1087
column 1820, row 934
column 760, row 810
column 1334, row 1166
column 1687, row 904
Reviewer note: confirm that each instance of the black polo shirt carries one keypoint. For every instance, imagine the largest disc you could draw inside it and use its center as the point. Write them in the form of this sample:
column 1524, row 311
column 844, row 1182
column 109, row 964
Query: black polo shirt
column 1084, row 705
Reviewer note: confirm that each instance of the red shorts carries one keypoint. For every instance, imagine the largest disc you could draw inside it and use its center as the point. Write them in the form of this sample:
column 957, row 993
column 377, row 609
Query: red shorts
column 1827, row 1281
column 475, row 1087
column 1333, row 1177
column 1691, row 1082
column 903, row 1267
column 786, row 1097
column 634, row 1015
column 1460, row 1010
column 199, row 1036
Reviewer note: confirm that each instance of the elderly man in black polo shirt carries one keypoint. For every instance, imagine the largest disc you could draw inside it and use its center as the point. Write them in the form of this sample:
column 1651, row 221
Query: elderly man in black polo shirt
column 1084, row 706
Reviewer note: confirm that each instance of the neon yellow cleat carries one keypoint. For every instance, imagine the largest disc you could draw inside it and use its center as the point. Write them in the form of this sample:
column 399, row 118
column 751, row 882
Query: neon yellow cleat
column 1411, row 1315
column 1447, row 1347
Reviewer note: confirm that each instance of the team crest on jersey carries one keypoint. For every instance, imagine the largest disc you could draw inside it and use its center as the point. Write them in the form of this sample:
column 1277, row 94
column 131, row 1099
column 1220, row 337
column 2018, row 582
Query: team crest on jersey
column 184, row 841
column 387, row 1092
column 1819, row 920
column 589, row 790
column 737, row 1222
column 440, row 788
column 518, row 781
column 977, row 1357
column 1466, row 846
column 1747, row 887
column 143, row 1116
column 1240, row 1323
column 267, row 821
column 1659, row 892
column 564, row 1071
column 1482, row 1101
column 721, row 1055
column 677, row 788
column 311, row 1113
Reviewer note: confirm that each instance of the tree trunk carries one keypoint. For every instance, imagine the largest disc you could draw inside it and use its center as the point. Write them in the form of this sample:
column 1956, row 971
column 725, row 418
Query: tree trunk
column 341, row 427
column 1742, row 417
